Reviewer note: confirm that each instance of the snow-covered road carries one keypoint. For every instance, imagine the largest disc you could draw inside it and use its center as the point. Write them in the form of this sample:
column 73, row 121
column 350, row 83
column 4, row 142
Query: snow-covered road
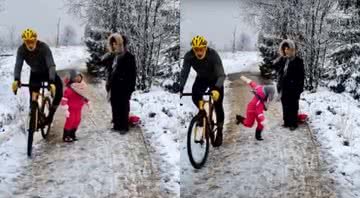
column 101, row 164
column 285, row 164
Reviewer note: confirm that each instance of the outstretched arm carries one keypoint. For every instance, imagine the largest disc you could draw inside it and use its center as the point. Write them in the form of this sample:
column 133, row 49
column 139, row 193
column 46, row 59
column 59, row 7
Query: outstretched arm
column 184, row 73
column 50, row 64
column 18, row 65
column 219, row 70
column 245, row 79
column 248, row 81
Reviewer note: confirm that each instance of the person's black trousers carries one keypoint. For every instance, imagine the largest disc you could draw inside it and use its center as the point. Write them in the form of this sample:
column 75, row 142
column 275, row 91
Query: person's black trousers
column 290, row 105
column 35, row 83
column 199, row 88
column 120, row 112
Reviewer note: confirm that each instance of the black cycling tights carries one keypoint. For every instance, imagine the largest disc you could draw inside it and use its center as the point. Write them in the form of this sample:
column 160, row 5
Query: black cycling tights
column 198, row 89
column 35, row 84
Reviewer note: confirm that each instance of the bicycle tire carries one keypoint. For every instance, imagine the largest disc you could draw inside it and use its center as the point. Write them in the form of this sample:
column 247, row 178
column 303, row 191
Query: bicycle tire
column 195, row 164
column 213, row 127
column 32, row 126
column 45, row 131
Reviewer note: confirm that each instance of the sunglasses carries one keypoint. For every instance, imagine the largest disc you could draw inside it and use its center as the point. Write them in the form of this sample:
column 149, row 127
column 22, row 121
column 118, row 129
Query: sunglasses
column 199, row 49
column 30, row 42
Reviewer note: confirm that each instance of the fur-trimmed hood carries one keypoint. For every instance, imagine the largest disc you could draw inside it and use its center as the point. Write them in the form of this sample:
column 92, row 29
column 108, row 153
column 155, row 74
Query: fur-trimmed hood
column 81, row 89
column 290, row 43
column 118, row 39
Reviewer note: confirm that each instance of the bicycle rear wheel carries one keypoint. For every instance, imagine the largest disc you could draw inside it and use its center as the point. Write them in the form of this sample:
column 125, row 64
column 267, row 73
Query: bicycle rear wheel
column 198, row 142
column 45, row 108
column 32, row 126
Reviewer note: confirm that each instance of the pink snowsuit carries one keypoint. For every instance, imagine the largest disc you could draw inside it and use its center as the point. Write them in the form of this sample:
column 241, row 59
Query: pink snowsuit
column 255, row 108
column 75, row 103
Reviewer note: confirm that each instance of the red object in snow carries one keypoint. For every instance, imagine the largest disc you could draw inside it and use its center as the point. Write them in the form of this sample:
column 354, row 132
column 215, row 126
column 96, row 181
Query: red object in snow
column 302, row 117
column 134, row 120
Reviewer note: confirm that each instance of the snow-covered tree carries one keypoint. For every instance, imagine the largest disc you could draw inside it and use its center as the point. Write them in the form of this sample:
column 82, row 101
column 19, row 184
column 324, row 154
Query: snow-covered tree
column 150, row 26
column 68, row 35
column 343, row 72
column 244, row 42
column 268, row 47
column 96, row 44
column 302, row 21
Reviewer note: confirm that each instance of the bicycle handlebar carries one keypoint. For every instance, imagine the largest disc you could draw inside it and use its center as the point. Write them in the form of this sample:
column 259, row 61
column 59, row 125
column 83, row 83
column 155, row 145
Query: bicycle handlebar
column 28, row 85
column 190, row 94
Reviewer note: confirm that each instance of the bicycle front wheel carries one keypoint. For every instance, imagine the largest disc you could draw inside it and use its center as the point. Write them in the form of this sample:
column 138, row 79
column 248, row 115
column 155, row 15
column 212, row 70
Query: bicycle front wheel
column 32, row 126
column 198, row 141
column 45, row 109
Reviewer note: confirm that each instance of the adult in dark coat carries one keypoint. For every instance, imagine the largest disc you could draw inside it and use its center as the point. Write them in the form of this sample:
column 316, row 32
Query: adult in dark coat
column 121, row 80
column 290, row 70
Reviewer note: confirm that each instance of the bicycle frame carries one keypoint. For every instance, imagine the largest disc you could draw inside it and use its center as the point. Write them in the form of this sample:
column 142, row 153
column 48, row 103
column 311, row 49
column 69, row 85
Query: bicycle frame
column 208, row 114
column 35, row 96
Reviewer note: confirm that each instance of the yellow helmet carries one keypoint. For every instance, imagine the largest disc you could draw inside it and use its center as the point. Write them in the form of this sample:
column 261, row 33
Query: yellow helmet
column 198, row 41
column 29, row 34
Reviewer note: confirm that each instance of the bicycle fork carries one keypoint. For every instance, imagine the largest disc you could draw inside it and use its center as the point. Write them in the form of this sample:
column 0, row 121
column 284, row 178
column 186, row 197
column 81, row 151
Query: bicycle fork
column 34, row 104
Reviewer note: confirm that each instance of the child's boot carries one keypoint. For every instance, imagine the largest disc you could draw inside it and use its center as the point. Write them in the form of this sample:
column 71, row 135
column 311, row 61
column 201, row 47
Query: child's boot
column 67, row 136
column 73, row 134
column 239, row 119
column 258, row 134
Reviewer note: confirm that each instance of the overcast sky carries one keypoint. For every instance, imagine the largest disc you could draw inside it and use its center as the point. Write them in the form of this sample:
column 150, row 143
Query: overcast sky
column 42, row 15
column 215, row 19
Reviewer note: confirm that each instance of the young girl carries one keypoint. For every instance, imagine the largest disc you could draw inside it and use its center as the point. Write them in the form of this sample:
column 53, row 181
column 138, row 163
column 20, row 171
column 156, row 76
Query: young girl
column 263, row 94
column 75, row 97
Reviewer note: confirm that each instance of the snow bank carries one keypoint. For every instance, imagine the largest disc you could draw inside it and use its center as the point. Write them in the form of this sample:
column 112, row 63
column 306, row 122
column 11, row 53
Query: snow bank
column 335, row 121
column 161, row 116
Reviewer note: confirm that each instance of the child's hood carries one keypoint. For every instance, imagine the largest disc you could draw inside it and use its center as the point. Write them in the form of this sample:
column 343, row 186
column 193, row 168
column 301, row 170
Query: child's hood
column 81, row 89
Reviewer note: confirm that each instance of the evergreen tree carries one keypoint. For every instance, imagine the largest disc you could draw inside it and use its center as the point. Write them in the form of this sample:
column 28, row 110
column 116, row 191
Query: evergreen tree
column 268, row 47
column 96, row 44
column 343, row 74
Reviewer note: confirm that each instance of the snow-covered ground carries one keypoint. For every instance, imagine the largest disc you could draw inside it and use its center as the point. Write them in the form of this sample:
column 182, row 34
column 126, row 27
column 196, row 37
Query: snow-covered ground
column 13, row 110
column 161, row 119
column 233, row 63
column 335, row 121
column 333, row 118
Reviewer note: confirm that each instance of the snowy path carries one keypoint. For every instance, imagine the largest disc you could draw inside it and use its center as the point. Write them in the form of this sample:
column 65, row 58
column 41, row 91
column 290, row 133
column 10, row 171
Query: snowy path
column 101, row 164
column 285, row 164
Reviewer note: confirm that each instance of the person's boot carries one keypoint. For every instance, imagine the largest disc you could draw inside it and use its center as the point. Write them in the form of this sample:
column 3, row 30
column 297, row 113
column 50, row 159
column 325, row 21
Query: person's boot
column 239, row 119
column 120, row 129
column 124, row 131
column 67, row 136
column 73, row 135
column 219, row 136
column 293, row 128
column 258, row 135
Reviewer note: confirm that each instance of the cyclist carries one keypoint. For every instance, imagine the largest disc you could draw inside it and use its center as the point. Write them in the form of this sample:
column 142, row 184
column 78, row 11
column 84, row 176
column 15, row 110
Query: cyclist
column 38, row 56
column 210, row 75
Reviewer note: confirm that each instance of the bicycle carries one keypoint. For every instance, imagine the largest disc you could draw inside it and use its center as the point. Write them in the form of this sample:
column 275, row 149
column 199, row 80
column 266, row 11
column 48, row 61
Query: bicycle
column 39, row 112
column 202, row 128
